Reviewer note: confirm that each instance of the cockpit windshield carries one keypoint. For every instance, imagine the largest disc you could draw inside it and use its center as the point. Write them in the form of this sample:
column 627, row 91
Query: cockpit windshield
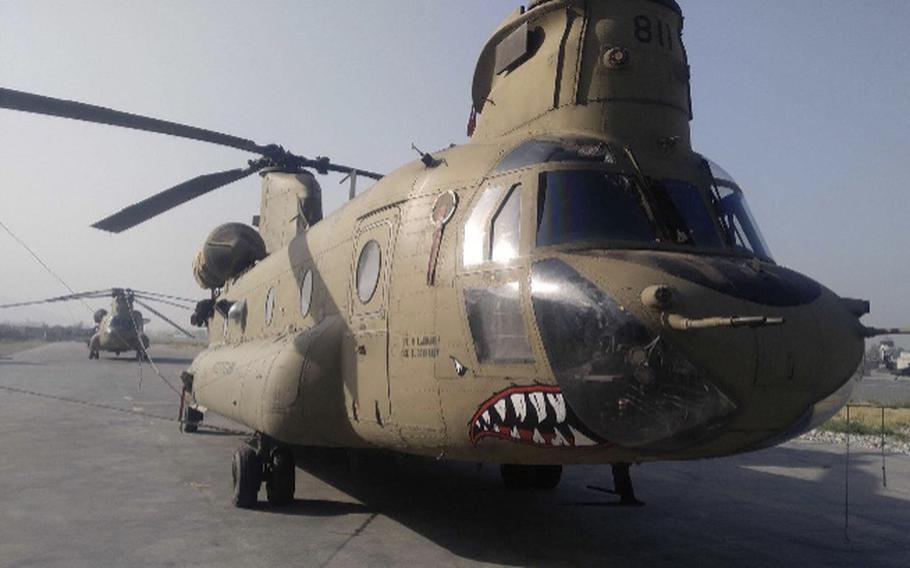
column 578, row 206
column 594, row 205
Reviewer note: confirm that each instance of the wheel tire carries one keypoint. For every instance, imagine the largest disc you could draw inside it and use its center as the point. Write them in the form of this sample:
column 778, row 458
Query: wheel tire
column 282, row 480
column 515, row 477
column 545, row 477
column 247, row 475
column 530, row 477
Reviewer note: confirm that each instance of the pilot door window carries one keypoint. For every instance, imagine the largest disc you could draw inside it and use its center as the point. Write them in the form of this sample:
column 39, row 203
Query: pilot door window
column 493, row 229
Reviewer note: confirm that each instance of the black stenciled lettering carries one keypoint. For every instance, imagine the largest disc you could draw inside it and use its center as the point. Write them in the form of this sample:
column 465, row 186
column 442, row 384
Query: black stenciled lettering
column 643, row 31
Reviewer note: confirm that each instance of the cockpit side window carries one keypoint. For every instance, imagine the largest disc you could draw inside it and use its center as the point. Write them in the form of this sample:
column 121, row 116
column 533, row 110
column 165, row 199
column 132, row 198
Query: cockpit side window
column 506, row 232
column 475, row 228
column 734, row 215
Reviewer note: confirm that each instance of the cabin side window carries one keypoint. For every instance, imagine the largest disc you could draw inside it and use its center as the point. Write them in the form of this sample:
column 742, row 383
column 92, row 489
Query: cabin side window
column 269, row 306
column 368, row 265
column 306, row 293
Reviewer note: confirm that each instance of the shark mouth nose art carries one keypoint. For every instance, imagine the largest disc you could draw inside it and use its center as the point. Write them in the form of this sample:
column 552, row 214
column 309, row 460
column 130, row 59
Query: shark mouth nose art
column 536, row 415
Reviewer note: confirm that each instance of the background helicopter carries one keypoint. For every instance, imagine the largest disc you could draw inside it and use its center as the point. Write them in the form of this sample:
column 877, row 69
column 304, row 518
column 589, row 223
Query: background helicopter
column 122, row 328
column 248, row 298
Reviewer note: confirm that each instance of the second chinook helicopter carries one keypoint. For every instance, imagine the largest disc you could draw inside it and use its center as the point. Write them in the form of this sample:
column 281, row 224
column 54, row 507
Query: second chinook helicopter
column 574, row 285
column 122, row 329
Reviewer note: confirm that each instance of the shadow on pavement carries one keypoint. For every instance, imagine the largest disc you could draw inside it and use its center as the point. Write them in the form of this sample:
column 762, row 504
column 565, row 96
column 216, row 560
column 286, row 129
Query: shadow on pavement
column 748, row 510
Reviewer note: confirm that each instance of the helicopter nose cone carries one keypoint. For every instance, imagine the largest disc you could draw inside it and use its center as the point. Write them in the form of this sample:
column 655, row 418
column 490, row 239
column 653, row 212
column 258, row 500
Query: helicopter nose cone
column 620, row 376
column 638, row 384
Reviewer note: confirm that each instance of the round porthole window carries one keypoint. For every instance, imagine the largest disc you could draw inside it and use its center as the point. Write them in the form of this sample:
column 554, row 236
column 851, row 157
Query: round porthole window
column 368, row 271
column 269, row 306
column 306, row 293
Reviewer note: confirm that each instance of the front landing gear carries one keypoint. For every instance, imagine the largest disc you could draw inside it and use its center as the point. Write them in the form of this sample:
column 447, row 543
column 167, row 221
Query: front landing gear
column 622, row 485
column 191, row 419
column 93, row 354
column 262, row 460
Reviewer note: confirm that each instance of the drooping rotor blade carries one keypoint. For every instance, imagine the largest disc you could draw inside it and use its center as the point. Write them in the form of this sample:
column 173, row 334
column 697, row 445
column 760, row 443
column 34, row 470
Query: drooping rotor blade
column 38, row 104
column 169, row 198
column 162, row 316
column 153, row 295
column 67, row 298
column 162, row 301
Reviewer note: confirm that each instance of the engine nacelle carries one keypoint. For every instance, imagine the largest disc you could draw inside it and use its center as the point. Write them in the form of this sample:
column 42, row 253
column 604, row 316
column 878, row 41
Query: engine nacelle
column 229, row 250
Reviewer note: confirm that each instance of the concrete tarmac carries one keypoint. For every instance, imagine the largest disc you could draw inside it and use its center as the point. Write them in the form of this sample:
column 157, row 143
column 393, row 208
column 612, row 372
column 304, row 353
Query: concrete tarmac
column 95, row 473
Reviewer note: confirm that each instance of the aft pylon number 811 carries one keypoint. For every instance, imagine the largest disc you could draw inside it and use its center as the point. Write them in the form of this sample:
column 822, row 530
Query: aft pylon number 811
column 646, row 31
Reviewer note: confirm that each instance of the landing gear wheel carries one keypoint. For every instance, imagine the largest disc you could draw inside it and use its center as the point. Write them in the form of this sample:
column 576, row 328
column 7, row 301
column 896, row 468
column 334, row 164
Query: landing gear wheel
column 140, row 356
column 530, row 477
column 93, row 354
column 247, row 475
column 282, row 479
column 191, row 419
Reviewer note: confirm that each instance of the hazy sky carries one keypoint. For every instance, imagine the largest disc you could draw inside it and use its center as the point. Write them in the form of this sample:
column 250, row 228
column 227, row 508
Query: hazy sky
column 806, row 103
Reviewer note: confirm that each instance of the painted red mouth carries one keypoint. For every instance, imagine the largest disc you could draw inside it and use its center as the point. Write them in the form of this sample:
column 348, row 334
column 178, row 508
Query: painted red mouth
column 536, row 415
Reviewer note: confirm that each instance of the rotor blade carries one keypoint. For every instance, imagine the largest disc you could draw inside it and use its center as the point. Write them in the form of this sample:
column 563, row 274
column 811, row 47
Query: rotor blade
column 162, row 301
column 153, row 295
column 168, row 199
column 38, row 104
column 330, row 167
column 67, row 298
column 162, row 316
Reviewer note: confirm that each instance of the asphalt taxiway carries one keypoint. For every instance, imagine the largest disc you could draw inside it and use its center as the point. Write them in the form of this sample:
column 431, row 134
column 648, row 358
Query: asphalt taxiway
column 95, row 473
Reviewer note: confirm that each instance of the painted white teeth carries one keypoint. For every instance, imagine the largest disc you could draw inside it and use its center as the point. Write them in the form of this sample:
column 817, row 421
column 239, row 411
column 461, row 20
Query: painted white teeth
column 486, row 417
column 538, row 439
column 539, row 405
column 520, row 406
column 581, row 439
column 477, row 425
column 560, row 440
column 496, row 428
column 500, row 407
column 515, row 433
column 559, row 406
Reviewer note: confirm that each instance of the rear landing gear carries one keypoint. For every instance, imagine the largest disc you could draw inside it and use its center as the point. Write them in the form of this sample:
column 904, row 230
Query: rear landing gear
column 93, row 354
column 530, row 477
column 263, row 461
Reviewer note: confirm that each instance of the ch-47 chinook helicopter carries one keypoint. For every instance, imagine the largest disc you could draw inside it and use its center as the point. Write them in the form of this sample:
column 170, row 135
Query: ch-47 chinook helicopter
column 574, row 285
column 122, row 328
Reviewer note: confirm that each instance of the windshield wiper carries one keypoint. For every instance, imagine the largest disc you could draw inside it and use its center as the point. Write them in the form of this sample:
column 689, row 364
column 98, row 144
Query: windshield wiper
column 650, row 201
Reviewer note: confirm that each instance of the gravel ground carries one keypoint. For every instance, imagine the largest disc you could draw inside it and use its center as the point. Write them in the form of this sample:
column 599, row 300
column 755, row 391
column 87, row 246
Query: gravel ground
column 892, row 444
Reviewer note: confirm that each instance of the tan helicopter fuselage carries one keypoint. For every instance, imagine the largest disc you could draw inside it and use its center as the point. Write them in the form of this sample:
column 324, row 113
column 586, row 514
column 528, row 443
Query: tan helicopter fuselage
column 120, row 330
column 485, row 339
